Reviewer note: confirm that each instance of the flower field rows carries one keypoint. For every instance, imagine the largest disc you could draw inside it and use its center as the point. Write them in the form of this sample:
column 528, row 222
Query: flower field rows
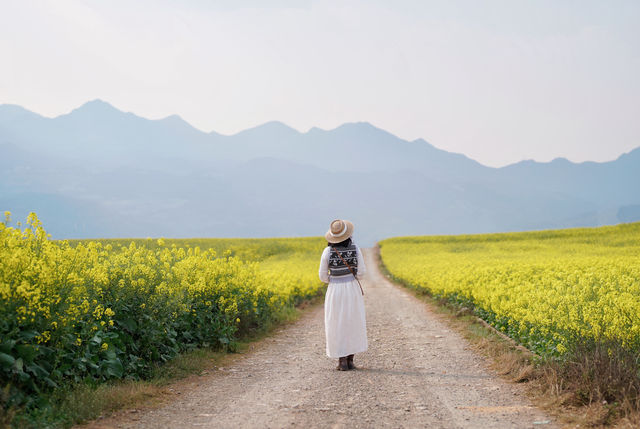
column 544, row 289
column 99, row 309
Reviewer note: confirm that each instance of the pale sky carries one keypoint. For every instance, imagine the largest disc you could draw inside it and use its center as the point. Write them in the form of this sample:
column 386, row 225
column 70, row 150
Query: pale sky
column 499, row 81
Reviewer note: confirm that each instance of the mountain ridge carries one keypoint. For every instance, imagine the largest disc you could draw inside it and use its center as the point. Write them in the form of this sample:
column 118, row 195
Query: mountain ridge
column 96, row 105
column 164, row 177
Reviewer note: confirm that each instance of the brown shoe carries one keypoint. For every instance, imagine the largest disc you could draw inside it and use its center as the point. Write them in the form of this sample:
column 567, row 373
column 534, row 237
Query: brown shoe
column 350, row 364
column 342, row 364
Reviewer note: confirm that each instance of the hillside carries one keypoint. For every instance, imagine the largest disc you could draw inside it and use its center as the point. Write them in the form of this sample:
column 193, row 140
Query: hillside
column 101, row 172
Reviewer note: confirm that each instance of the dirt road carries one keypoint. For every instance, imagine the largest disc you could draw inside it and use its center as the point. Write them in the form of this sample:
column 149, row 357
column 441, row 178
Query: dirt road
column 416, row 373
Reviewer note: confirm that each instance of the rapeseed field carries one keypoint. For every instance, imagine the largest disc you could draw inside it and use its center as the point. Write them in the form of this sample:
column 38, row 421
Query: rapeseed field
column 548, row 290
column 93, row 310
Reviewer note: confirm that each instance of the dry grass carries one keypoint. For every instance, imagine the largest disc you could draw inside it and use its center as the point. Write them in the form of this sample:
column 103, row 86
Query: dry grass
column 85, row 403
column 601, row 377
column 6, row 414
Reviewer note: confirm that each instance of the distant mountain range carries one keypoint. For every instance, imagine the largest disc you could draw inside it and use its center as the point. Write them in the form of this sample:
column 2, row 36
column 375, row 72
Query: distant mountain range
column 101, row 172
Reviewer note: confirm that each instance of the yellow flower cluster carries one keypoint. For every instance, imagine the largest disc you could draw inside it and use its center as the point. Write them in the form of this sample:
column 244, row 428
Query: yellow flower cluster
column 109, row 308
column 544, row 288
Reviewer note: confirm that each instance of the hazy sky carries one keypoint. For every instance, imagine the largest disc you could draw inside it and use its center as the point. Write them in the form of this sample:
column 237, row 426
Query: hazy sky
column 499, row 81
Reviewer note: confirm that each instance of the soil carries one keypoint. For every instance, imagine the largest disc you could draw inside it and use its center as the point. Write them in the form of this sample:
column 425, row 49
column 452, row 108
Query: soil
column 416, row 373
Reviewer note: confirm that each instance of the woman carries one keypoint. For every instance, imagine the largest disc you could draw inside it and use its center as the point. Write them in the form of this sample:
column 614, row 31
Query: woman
column 344, row 318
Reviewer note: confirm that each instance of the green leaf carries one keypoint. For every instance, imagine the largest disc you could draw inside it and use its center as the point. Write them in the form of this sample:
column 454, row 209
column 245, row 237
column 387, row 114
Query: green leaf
column 6, row 361
column 50, row 382
column 18, row 365
column 129, row 324
column 28, row 335
column 6, row 346
column 26, row 352
column 114, row 368
column 37, row 370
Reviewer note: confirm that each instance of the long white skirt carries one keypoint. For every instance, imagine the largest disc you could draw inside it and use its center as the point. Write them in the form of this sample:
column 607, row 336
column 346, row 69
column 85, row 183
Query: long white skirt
column 344, row 319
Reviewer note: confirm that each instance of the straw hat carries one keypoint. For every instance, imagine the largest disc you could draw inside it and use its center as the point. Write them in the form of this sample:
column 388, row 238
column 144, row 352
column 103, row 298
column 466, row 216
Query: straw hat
column 339, row 231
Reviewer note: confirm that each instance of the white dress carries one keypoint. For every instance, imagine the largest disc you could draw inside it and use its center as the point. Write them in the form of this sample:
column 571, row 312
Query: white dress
column 344, row 318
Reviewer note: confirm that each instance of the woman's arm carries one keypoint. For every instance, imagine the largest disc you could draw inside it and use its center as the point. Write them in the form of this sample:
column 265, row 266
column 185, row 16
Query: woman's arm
column 362, row 268
column 323, row 272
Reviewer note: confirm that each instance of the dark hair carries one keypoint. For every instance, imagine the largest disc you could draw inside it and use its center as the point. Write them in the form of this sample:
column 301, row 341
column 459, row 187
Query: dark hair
column 344, row 243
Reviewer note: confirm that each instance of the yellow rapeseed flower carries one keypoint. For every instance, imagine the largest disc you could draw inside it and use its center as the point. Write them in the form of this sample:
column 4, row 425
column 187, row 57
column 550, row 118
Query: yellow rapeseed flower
column 535, row 285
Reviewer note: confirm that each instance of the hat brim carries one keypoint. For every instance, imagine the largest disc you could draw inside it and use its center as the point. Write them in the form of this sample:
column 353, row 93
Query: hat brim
column 338, row 238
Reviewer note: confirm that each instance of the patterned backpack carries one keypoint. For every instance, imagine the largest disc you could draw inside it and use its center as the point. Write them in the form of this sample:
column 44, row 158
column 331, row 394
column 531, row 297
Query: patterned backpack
column 337, row 266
